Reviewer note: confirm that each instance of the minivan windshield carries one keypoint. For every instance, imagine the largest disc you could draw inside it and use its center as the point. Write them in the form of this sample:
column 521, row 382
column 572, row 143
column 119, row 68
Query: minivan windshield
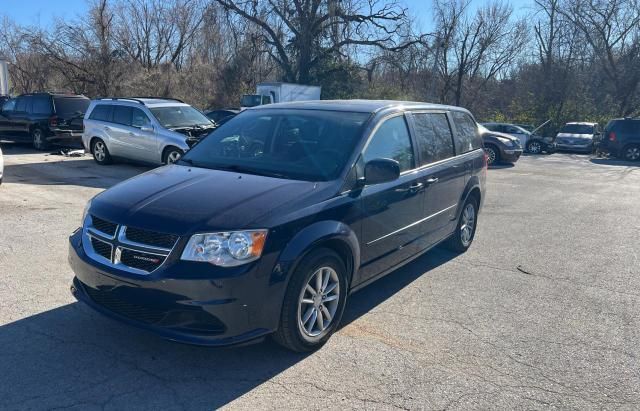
column 577, row 129
column 179, row 117
column 311, row 145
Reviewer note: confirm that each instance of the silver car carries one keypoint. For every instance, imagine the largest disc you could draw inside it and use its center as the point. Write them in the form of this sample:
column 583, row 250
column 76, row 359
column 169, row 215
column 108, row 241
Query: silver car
column 149, row 130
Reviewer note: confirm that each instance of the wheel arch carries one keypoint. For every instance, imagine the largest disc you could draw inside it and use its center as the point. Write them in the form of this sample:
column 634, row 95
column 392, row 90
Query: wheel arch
column 333, row 235
column 471, row 190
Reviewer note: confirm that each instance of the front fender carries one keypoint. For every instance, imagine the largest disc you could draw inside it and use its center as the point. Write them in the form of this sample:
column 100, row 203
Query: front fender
column 315, row 235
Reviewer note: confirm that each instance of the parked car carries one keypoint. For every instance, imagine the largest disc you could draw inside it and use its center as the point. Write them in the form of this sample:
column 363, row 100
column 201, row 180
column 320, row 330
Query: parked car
column 221, row 116
column 529, row 140
column 577, row 137
column 1, row 166
column 621, row 138
column 233, row 243
column 500, row 147
column 43, row 118
column 149, row 130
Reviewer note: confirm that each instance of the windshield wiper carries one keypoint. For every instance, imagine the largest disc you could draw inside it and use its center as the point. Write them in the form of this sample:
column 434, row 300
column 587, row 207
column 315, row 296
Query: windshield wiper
column 249, row 170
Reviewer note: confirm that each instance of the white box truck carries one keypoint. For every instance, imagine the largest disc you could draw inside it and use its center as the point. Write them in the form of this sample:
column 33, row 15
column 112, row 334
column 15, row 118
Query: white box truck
column 267, row 93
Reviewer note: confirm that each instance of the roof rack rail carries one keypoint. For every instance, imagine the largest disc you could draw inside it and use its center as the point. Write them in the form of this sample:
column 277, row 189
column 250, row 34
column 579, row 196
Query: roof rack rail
column 137, row 100
column 160, row 98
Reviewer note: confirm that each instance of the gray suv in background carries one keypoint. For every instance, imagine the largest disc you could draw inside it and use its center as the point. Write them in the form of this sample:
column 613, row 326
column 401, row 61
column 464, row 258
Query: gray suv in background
column 149, row 130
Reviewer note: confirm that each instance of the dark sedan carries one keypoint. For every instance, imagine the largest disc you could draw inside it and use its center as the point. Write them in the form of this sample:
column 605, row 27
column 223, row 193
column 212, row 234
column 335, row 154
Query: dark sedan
column 500, row 147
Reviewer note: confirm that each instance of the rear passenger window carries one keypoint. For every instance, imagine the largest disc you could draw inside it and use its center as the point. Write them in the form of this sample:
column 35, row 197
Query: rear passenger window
column 392, row 140
column 41, row 105
column 467, row 138
column 122, row 115
column 434, row 137
column 21, row 104
column 139, row 118
column 101, row 112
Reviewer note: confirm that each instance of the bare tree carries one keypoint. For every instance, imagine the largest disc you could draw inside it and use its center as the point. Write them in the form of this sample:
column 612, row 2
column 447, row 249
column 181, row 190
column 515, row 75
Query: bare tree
column 612, row 29
column 476, row 49
column 303, row 34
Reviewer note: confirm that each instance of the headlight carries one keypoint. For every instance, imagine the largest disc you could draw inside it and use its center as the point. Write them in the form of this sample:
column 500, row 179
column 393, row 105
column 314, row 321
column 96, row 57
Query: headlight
column 506, row 141
column 226, row 249
column 85, row 212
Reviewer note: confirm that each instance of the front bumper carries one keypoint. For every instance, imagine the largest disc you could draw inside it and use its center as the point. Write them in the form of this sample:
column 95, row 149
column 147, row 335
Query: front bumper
column 583, row 148
column 201, row 309
column 510, row 155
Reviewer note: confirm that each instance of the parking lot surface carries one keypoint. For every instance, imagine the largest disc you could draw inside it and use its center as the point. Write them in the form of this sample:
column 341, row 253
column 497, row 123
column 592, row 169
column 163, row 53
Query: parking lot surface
column 543, row 311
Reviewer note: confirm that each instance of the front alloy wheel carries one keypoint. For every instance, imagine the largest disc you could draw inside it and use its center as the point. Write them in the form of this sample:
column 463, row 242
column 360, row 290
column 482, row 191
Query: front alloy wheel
column 172, row 155
column 318, row 302
column 492, row 156
column 534, row 147
column 314, row 301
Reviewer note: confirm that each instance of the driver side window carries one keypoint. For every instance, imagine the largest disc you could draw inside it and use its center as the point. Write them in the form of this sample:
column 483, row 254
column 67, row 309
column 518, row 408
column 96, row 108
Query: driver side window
column 392, row 140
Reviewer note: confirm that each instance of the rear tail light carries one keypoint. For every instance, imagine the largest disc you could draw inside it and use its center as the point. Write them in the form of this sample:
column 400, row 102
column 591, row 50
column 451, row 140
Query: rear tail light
column 53, row 121
column 612, row 136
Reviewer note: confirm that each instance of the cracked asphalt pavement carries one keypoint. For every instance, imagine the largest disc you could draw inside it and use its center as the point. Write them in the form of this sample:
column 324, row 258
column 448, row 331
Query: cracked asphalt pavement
column 542, row 312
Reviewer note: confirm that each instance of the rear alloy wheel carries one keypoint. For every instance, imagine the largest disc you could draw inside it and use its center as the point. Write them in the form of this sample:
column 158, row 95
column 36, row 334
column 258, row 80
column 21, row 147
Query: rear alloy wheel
column 534, row 147
column 100, row 152
column 314, row 302
column 171, row 155
column 492, row 155
column 462, row 238
column 632, row 153
column 39, row 139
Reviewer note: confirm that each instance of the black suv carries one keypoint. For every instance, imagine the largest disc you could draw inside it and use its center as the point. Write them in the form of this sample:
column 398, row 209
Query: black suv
column 268, row 224
column 621, row 138
column 43, row 118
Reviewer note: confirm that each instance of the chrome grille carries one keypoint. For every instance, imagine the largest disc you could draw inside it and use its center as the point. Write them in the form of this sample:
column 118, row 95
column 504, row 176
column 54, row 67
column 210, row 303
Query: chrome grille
column 104, row 226
column 130, row 249
column 151, row 238
column 101, row 248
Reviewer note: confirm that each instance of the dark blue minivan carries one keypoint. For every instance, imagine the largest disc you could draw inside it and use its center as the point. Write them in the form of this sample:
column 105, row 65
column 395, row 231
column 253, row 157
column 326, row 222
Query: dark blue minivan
column 268, row 224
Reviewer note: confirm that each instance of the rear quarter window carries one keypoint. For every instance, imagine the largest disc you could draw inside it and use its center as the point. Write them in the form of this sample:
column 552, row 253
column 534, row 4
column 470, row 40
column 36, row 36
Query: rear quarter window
column 467, row 136
column 101, row 112
column 41, row 105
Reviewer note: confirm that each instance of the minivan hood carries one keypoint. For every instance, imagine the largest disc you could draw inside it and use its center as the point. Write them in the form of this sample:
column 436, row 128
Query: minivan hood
column 183, row 200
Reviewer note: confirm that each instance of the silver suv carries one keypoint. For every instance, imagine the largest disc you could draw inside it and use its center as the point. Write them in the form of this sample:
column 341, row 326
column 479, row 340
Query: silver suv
column 150, row 130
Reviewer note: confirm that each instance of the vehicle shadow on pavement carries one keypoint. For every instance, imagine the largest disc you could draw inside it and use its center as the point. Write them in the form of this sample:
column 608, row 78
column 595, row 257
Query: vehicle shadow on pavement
column 58, row 170
column 614, row 162
column 72, row 357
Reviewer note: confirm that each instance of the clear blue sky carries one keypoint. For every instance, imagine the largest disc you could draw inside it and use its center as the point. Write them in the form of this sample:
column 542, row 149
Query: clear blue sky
column 43, row 12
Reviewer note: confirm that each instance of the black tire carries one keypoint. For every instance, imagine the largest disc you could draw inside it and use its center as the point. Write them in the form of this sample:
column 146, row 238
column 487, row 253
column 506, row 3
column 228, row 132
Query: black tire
column 456, row 242
column 39, row 139
column 631, row 152
column 289, row 333
column 493, row 154
column 100, row 152
column 534, row 147
column 169, row 152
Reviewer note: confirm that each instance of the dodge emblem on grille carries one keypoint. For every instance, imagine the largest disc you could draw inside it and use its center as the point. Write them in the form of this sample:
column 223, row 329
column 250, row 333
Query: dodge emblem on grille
column 148, row 259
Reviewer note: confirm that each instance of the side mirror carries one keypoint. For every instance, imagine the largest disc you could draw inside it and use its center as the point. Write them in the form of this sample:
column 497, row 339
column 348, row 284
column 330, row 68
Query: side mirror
column 146, row 129
column 381, row 170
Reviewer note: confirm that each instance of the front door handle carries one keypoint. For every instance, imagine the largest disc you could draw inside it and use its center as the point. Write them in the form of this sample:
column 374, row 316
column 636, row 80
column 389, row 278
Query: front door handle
column 416, row 187
column 432, row 180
